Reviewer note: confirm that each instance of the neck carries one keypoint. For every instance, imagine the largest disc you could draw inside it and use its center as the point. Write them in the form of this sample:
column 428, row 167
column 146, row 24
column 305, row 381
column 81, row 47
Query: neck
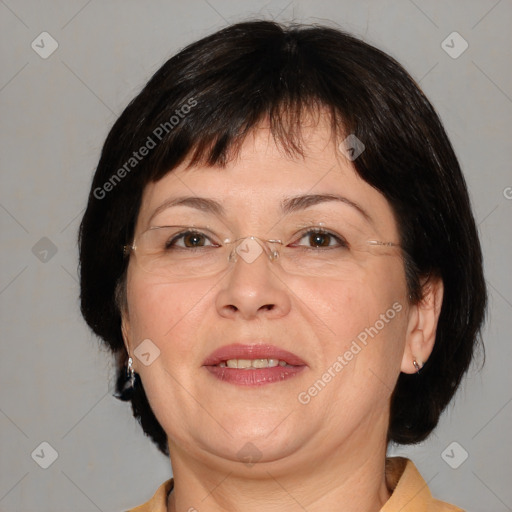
column 343, row 478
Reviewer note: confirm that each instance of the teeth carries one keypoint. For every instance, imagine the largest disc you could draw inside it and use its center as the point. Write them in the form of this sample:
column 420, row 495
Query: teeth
column 265, row 363
column 252, row 363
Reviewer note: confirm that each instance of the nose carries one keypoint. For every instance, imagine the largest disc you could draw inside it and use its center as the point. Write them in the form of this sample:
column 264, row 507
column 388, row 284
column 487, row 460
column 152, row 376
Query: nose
column 252, row 288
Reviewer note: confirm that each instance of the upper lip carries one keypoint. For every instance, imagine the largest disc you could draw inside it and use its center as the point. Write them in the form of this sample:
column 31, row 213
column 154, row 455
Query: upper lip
column 256, row 351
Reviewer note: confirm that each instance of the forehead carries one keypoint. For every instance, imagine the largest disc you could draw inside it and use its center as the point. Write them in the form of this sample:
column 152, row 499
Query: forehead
column 263, row 175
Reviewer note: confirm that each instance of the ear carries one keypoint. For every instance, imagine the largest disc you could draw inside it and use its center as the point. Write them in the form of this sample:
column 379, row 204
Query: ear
column 422, row 325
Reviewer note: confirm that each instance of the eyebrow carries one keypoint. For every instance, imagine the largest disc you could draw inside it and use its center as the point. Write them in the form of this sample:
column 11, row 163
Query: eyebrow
column 293, row 204
column 288, row 205
column 199, row 203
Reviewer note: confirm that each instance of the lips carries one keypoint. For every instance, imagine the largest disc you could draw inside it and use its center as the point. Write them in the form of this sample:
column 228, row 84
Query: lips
column 253, row 365
column 252, row 352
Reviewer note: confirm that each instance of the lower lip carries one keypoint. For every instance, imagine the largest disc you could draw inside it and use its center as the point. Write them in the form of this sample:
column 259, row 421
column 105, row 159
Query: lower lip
column 254, row 377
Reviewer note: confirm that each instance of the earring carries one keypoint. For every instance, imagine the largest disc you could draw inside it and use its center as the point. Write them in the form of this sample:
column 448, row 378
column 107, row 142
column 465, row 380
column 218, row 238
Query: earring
column 130, row 373
column 417, row 366
column 125, row 385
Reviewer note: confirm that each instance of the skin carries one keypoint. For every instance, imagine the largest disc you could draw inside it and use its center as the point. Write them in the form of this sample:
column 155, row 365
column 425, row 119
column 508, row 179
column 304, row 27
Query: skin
column 328, row 454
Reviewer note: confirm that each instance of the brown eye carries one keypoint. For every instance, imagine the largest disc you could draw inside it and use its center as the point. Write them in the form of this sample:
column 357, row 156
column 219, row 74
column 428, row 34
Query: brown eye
column 320, row 239
column 194, row 240
column 188, row 240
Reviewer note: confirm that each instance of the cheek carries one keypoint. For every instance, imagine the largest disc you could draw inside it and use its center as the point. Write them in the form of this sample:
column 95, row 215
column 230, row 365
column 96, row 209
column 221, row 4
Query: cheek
column 168, row 314
column 349, row 304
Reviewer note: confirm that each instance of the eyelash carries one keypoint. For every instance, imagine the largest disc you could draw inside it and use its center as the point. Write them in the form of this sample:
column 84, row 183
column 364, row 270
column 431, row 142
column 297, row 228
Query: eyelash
column 180, row 236
column 340, row 241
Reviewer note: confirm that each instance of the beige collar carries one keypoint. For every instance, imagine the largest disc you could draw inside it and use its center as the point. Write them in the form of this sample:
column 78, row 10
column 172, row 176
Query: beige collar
column 410, row 492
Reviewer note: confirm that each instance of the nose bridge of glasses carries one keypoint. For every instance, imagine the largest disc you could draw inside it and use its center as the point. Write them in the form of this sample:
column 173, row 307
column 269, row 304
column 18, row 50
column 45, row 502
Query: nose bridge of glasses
column 251, row 247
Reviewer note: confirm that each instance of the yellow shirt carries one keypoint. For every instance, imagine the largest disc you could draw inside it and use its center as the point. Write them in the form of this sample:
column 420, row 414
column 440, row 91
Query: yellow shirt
column 410, row 492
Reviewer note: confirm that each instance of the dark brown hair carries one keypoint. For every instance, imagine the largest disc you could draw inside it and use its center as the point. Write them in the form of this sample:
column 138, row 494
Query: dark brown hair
column 203, row 102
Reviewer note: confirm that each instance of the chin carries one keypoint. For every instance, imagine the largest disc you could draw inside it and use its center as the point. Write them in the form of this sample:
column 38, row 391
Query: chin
column 252, row 440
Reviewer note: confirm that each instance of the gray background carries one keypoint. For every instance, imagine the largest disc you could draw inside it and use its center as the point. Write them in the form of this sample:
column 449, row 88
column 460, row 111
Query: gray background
column 56, row 381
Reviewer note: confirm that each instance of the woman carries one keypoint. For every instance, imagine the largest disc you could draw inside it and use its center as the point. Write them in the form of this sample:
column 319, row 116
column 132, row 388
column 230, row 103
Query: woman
column 280, row 250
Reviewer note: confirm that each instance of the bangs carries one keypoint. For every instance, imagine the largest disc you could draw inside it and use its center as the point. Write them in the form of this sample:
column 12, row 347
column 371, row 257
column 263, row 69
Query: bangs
column 281, row 80
column 222, row 143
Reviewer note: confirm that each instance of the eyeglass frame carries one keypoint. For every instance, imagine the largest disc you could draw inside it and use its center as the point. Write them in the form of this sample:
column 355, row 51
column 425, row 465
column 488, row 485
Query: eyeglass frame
column 272, row 254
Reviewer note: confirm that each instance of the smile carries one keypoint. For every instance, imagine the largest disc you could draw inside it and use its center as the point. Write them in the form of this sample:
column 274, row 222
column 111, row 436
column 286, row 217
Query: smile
column 253, row 365
column 248, row 364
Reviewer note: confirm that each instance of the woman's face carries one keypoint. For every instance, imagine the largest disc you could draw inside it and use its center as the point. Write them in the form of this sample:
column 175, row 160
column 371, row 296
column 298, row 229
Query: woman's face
column 339, row 324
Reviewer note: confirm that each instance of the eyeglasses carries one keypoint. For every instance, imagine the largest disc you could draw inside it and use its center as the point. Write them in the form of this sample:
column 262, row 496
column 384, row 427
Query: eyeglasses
column 185, row 252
